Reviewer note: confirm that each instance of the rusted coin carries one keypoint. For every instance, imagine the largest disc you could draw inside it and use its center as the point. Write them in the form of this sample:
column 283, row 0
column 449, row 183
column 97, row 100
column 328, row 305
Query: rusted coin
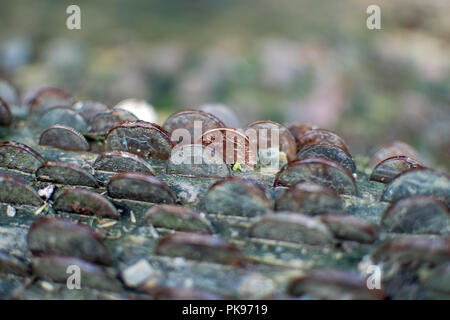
column 269, row 134
column 387, row 169
column 200, row 247
column 141, row 187
column 322, row 137
column 238, row 197
column 309, row 198
column 54, row 236
column 291, row 227
column 65, row 173
column 140, row 108
column 177, row 218
column 90, row 109
column 63, row 137
column 413, row 248
column 5, row 113
column 417, row 214
column 63, row 116
column 333, row 284
column 351, row 228
column 392, row 149
column 46, row 98
column 232, row 144
column 191, row 125
column 322, row 171
column 120, row 161
column 328, row 152
column 298, row 130
column 196, row 160
column 145, row 139
column 85, row 202
column 419, row 181
column 9, row 93
column 54, row 268
column 227, row 115
column 16, row 192
column 14, row 155
column 104, row 121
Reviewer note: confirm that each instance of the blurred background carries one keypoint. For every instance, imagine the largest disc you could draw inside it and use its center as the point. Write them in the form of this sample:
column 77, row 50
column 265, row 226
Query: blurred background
column 284, row 60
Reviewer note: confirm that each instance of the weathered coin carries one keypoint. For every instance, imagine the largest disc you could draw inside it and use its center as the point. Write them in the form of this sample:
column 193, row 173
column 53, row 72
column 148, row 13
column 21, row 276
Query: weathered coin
column 65, row 173
column 292, row 227
column 54, row 268
column 322, row 171
column 328, row 152
column 177, row 218
column 232, row 144
column 322, row 137
column 63, row 137
column 392, row 149
column 351, row 228
column 14, row 191
column 298, row 130
column 388, row 169
column 54, row 236
column 417, row 214
column 141, row 187
column 104, row 121
column 200, row 247
column 334, row 285
column 120, row 161
column 43, row 99
column 63, row 116
column 145, row 139
column 15, row 155
column 196, row 160
column 191, row 125
column 89, row 109
column 309, row 198
column 236, row 196
column 85, row 202
column 265, row 131
column 419, row 181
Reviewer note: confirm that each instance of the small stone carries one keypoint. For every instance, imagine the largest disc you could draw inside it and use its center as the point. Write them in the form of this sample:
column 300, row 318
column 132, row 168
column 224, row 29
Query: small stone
column 137, row 274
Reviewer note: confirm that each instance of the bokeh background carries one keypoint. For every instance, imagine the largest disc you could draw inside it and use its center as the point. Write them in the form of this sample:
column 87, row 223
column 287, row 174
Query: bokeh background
column 284, row 60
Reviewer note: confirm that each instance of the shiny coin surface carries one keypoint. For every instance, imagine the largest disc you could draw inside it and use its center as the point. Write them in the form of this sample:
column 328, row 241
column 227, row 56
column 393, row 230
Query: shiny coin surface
column 389, row 168
column 140, row 108
column 328, row 152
